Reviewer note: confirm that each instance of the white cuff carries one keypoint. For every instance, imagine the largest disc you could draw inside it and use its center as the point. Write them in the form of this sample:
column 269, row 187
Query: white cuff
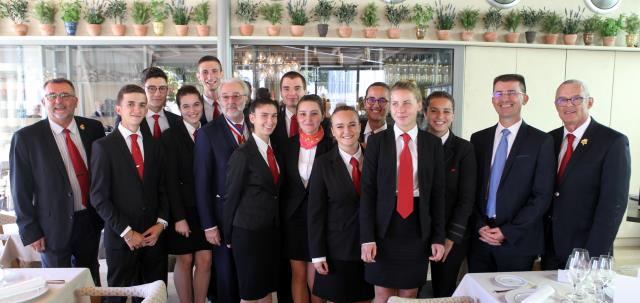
column 211, row 228
column 368, row 243
column 318, row 260
column 126, row 230
column 163, row 222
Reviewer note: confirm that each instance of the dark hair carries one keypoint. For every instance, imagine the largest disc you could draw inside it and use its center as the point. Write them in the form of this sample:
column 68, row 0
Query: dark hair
column 261, row 102
column 313, row 98
column 187, row 90
column 263, row 93
column 208, row 58
column 59, row 81
column 293, row 75
column 409, row 85
column 129, row 89
column 249, row 88
column 153, row 72
column 377, row 84
column 510, row 78
column 438, row 94
column 345, row 108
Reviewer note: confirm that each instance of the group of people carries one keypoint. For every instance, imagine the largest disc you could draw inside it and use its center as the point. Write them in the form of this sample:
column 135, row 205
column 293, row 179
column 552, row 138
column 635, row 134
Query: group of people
column 277, row 198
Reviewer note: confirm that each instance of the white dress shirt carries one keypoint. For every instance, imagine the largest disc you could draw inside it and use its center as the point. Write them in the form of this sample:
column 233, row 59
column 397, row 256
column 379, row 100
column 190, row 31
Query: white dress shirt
column 61, row 142
column 287, row 120
column 208, row 108
column 579, row 132
column 498, row 136
column 305, row 163
column 368, row 131
column 191, row 129
column 262, row 148
column 162, row 120
column 413, row 148
column 445, row 137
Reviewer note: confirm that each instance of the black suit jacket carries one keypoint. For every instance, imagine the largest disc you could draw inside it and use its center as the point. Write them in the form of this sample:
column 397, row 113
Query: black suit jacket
column 590, row 200
column 252, row 200
column 40, row 185
column 280, row 135
column 363, row 124
column 525, row 188
column 379, row 182
column 145, row 129
column 180, row 184
column 118, row 194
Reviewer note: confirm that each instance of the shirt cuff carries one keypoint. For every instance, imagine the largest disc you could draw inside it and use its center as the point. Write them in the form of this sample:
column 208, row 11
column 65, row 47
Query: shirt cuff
column 163, row 222
column 211, row 228
column 368, row 243
column 126, row 230
column 318, row 260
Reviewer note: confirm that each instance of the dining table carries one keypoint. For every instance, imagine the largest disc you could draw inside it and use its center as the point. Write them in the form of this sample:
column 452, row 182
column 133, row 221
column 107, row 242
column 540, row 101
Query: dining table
column 14, row 249
column 60, row 286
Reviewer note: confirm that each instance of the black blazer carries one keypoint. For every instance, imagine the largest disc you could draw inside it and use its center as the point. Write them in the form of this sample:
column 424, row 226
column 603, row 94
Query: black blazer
column 180, row 185
column 591, row 199
column 379, row 182
column 363, row 124
column 118, row 194
column 252, row 200
column 460, row 180
column 145, row 129
column 334, row 228
column 40, row 186
column 280, row 135
column 293, row 192
column 525, row 188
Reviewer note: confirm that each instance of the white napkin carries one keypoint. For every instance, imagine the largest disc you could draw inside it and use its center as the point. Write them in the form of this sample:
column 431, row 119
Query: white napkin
column 543, row 292
column 563, row 276
column 13, row 289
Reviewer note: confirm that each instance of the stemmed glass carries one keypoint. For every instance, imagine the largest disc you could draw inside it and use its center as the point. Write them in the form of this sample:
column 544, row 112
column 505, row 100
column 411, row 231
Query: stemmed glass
column 605, row 275
column 578, row 266
column 592, row 279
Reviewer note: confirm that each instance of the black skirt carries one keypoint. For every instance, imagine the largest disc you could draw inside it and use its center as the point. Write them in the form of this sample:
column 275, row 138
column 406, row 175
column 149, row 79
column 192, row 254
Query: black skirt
column 180, row 245
column 344, row 282
column 296, row 237
column 256, row 253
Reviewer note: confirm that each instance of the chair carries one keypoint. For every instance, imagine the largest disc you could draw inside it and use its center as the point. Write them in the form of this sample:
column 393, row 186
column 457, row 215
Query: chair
column 155, row 292
column 395, row 299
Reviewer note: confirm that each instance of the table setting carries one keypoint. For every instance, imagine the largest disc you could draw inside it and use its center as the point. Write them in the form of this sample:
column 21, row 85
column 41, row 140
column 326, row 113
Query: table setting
column 43, row 284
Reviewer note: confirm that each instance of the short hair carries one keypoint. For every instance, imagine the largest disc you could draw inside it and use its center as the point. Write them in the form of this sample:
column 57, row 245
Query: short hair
column 59, row 81
column 345, row 108
column 511, row 78
column 438, row 94
column 312, row 98
column 378, row 84
column 410, row 86
column 263, row 93
column 239, row 81
column 153, row 72
column 293, row 75
column 249, row 88
column 129, row 89
column 187, row 90
column 581, row 84
column 261, row 102
column 209, row 58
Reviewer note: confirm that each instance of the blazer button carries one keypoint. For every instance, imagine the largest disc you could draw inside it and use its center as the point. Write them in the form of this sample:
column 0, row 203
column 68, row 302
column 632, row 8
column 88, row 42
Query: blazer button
column 557, row 194
column 69, row 194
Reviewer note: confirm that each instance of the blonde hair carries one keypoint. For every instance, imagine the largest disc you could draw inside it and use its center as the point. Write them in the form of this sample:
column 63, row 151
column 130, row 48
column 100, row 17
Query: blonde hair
column 409, row 85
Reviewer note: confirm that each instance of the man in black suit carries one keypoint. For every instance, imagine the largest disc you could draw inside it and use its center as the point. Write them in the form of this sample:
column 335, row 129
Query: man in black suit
column 514, row 185
column 50, row 182
column 127, row 193
column 293, row 86
column 210, row 75
column 376, row 104
column 592, row 181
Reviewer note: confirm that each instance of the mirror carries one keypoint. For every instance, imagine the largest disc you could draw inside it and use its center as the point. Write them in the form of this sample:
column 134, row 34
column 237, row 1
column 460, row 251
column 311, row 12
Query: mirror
column 602, row 6
column 503, row 3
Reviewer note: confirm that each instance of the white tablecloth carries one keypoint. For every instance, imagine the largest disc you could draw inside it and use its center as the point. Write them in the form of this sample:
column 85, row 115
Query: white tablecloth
column 15, row 250
column 63, row 293
column 481, row 286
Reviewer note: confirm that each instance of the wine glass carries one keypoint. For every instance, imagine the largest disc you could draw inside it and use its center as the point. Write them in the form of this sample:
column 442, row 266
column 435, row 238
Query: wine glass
column 605, row 274
column 592, row 280
column 578, row 265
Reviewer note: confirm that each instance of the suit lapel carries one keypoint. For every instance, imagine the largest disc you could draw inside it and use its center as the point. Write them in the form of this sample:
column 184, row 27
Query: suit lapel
column 227, row 132
column 342, row 173
column 125, row 153
column 517, row 144
column 293, row 161
column 388, row 150
column 50, row 145
column 448, row 148
column 84, row 136
column 261, row 164
column 488, row 154
column 581, row 149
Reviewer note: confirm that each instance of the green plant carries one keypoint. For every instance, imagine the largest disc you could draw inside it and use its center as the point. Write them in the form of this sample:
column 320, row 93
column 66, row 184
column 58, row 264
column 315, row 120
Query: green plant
column 396, row 14
column 572, row 21
column 422, row 14
column 247, row 11
column 180, row 13
column 159, row 10
column 632, row 24
column 512, row 21
column 468, row 18
column 323, row 11
column 16, row 10
column 591, row 24
column 140, row 12
column 492, row 19
column 272, row 12
column 45, row 11
column 297, row 12
column 70, row 10
column 611, row 27
column 551, row 23
column 369, row 16
column 201, row 13
column 94, row 11
column 531, row 17
column 445, row 16
column 346, row 12
column 116, row 10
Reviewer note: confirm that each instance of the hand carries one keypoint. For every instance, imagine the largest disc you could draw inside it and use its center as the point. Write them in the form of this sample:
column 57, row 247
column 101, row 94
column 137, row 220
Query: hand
column 38, row 245
column 134, row 240
column 437, row 250
column 448, row 245
column 321, row 267
column 491, row 236
column 151, row 235
column 213, row 236
column 368, row 252
column 182, row 228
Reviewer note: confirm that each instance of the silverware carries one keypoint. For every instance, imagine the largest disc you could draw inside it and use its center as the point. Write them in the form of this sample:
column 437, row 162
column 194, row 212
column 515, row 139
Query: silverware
column 503, row 290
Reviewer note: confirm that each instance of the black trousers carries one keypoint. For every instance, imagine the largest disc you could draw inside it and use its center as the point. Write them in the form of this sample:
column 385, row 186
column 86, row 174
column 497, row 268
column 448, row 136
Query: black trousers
column 444, row 275
column 483, row 257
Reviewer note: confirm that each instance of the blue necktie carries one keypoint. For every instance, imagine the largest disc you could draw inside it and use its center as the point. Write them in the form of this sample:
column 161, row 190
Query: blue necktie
column 496, row 173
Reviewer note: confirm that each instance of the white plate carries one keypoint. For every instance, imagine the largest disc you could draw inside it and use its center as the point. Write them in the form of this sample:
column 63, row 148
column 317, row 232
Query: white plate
column 510, row 281
column 518, row 295
column 25, row 296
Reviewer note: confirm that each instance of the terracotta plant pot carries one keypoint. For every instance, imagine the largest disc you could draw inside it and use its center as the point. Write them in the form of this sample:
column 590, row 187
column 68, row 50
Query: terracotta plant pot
column 158, row 28
column 118, row 29
column 530, row 36
column 550, row 38
column 182, row 30
column 421, row 32
column 140, row 29
column 490, row 36
column 587, row 38
column 344, row 31
column 512, row 37
column 273, row 30
column 246, row 29
column 94, row 29
column 466, row 36
column 442, row 34
column 570, row 39
column 609, row 41
column 323, row 29
column 202, row 30
column 393, row 33
column 632, row 40
column 70, row 28
column 20, row 29
column 47, row 29
column 297, row 30
column 370, row 32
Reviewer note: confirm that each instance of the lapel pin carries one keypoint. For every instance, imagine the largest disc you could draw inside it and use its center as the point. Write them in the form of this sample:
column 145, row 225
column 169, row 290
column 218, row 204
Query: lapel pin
column 584, row 141
column 82, row 126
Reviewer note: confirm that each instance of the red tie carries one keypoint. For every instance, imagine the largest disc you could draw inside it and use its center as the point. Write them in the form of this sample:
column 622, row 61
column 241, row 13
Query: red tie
column 79, row 167
column 405, row 180
column 293, row 128
column 216, row 111
column 566, row 157
column 355, row 174
column 137, row 156
column 271, row 159
column 240, row 134
column 156, row 127
column 195, row 134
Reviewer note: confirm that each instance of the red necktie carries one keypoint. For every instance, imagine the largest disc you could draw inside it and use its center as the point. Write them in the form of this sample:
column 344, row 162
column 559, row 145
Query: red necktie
column 216, row 111
column 293, row 128
column 156, row 127
column 405, row 180
column 566, row 157
column 271, row 159
column 355, row 173
column 239, row 134
column 137, row 155
column 78, row 166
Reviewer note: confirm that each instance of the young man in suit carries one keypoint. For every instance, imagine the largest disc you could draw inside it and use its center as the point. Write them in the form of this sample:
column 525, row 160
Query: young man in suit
column 292, row 87
column 49, row 163
column 514, row 185
column 592, row 181
column 127, row 192
column 376, row 104
column 210, row 75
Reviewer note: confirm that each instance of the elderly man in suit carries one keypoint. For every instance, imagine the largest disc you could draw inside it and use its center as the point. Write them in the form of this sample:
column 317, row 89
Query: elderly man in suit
column 514, row 184
column 592, row 180
column 49, row 163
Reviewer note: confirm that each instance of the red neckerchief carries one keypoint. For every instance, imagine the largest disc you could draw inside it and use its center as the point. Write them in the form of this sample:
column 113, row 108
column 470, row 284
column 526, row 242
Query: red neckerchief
column 310, row 141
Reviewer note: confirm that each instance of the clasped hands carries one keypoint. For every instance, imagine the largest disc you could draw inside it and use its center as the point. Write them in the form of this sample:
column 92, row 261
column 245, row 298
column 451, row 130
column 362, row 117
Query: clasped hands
column 370, row 250
column 491, row 236
column 136, row 240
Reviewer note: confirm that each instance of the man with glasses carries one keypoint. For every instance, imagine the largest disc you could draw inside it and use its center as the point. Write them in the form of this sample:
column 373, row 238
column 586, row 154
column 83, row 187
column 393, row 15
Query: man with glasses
column 209, row 74
column 592, row 181
column 514, row 185
column 376, row 104
column 49, row 174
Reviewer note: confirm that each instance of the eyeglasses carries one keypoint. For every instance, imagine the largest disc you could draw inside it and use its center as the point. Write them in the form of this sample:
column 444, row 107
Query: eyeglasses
column 64, row 96
column 234, row 97
column 154, row 89
column 509, row 93
column 575, row 101
column 373, row 100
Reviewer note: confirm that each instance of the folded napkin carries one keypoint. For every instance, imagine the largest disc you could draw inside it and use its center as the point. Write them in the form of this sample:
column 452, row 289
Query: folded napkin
column 543, row 293
column 21, row 287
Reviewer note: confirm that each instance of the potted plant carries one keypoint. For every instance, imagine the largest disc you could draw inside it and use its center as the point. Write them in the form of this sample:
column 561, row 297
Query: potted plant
column 141, row 15
column 395, row 14
column 492, row 20
column 346, row 13
column 551, row 25
column 159, row 13
column 117, row 11
column 201, row 17
column 589, row 27
column 16, row 10
column 422, row 15
column 70, row 10
column 181, row 15
column 322, row 13
column 272, row 13
column 445, row 20
column 530, row 19
column 94, row 15
column 298, row 14
column 45, row 12
column 247, row 12
column 511, row 22
column 631, row 26
column 571, row 26
column 609, row 30
column 468, row 18
column 370, row 20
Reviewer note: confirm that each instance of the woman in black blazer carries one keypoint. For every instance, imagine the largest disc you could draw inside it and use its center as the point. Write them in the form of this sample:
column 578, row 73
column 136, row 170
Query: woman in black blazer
column 300, row 153
column 186, row 238
column 460, row 182
column 334, row 200
column 251, row 209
